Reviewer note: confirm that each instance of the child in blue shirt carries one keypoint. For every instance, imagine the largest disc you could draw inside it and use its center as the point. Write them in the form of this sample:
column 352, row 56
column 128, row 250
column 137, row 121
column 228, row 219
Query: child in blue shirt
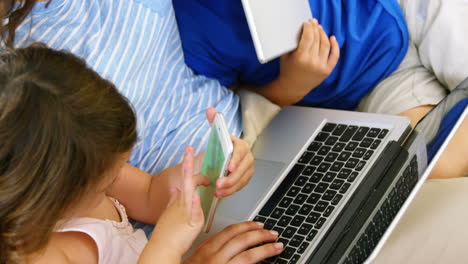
column 372, row 37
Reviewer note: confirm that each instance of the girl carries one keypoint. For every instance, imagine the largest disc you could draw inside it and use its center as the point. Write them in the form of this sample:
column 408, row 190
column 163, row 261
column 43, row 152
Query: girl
column 65, row 135
column 135, row 44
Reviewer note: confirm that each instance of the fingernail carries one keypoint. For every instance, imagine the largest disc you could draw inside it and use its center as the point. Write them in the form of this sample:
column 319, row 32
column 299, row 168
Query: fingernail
column 273, row 232
column 279, row 245
column 220, row 184
column 219, row 193
column 315, row 21
column 260, row 224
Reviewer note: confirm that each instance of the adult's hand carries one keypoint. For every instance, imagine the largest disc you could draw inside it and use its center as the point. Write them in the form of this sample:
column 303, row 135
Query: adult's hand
column 234, row 244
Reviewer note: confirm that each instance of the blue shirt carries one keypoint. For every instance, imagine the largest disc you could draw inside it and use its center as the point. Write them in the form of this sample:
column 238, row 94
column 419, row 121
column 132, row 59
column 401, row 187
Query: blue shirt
column 372, row 35
column 136, row 45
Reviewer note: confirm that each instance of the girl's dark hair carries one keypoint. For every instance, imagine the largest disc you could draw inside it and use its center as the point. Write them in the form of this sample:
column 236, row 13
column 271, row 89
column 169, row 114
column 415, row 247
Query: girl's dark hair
column 12, row 14
column 61, row 127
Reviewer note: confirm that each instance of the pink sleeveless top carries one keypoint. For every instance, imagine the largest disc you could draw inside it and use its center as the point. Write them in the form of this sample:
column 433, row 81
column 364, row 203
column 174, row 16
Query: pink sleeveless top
column 117, row 242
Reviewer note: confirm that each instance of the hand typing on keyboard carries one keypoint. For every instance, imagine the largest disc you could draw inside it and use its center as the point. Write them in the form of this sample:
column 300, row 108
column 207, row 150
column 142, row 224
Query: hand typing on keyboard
column 238, row 244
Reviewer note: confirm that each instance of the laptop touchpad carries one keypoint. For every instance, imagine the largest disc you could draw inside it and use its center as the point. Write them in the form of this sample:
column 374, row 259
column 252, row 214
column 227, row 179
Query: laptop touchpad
column 240, row 205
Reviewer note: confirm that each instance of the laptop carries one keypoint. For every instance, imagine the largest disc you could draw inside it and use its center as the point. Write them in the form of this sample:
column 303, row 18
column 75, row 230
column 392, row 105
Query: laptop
column 275, row 25
column 333, row 183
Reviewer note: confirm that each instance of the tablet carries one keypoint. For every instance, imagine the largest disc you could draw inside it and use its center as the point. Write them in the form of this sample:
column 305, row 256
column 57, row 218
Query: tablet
column 275, row 25
column 215, row 165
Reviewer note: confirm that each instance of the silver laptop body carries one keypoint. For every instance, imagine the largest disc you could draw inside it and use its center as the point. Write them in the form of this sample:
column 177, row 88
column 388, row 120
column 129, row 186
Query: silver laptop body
column 370, row 206
column 280, row 146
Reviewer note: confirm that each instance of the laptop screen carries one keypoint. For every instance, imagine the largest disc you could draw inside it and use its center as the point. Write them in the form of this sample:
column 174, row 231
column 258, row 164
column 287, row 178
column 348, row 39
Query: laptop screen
column 439, row 122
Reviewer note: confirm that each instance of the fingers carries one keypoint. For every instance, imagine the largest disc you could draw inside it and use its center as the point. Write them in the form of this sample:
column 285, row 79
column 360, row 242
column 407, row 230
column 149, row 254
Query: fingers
column 324, row 50
column 238, row 179
column 210, row 114
column 335, row 52
column 217, row 241
column 314, row 50
column 197, row 211
column 200, row 179
column 237, row 186
column 246, row 240
column 307, row 38
column 241, row 148
column 188, row 185
column 241, row 168
column 255, row 255
column 189, row 196
column 174, row 195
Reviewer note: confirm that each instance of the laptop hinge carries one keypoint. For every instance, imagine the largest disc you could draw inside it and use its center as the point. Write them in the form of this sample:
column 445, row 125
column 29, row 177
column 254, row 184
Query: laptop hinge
column 368, row 208
column 353, row 208
column 403, row 138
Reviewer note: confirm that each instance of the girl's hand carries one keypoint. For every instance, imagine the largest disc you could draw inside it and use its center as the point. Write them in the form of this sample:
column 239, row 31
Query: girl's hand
column 234, row 245
column 182, row 221
column 241, row 169
column 305, row 68
column 241, row 166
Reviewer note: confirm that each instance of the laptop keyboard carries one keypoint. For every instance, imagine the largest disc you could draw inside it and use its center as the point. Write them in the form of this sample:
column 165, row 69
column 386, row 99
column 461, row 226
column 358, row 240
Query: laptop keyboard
column 385, row 215
column 314, row 187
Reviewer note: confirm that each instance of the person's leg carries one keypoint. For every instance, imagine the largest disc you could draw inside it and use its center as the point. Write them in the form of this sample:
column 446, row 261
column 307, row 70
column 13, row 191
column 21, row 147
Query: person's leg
column 454, row 162
column 434, row 65
column 437, row 28
column 433, row 229
column 415, row 114
column 411, row 86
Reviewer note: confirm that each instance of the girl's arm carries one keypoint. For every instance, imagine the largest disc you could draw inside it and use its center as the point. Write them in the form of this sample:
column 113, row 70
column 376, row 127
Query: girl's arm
column 145, row 196
column 180, row 223
column 178, row 226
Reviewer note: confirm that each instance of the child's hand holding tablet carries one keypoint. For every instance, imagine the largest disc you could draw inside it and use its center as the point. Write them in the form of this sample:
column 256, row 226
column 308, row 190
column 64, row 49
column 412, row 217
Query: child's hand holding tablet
column 308, row 66
column 308, row 55
column 215, row 162
column 225, row 155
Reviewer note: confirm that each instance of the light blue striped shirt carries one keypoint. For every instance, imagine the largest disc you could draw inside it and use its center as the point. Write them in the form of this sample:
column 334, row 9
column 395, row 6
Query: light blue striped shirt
column 135, row 44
